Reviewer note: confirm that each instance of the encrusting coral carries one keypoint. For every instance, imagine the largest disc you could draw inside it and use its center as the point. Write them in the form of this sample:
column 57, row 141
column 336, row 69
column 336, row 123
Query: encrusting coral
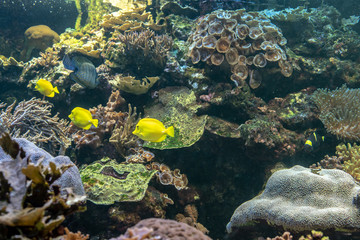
column 339, row 111
column 32, row 120
column 32, row 207
column 157, row 228
column 299, row 199
column 38, row 37
column 247, row 41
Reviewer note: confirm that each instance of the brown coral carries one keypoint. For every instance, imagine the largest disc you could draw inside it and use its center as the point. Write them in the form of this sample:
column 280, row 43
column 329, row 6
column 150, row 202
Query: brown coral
column 38, row 37
column 108, row 118
column 32, row 120
column 236, row 33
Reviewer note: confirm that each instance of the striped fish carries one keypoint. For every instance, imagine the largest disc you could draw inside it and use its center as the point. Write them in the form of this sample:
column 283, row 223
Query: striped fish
column 84, row 70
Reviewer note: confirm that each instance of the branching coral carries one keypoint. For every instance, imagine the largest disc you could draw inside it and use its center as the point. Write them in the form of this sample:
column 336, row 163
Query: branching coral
column 340, row 111
column 247, row 41
column 32, row 120
column 350, row 154
column 108, row 119
column 145, row 49
column 122, row 136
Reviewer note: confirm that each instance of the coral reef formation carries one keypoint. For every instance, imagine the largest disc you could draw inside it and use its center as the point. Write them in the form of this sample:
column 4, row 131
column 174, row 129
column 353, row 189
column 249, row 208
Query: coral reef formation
column 339, row 111
column 131, row 85
column 156, row 228
column 31, row 203
column 108, row 118
column 177, row 107
column 246, row 41
column 168, row 177
column 350, row 156
column 107, row 181
column 298, row 199
column 190, row 217
column 122, row 137
column 32, row 120
column 38, row 37
column 144, row 49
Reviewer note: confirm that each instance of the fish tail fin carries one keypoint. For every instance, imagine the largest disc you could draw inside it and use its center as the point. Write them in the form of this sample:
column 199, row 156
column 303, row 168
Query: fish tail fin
column 56, row 90
column 95, row 122
column 170, row 131
column 52, row 94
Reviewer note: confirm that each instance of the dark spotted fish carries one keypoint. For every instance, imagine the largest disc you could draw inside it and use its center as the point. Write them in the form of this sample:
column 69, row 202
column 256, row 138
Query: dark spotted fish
column 84, row 71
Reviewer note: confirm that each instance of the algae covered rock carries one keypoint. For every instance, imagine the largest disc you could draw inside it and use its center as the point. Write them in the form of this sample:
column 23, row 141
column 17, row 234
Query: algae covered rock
column 107, row 181
column 298, row 199
column 177, row 107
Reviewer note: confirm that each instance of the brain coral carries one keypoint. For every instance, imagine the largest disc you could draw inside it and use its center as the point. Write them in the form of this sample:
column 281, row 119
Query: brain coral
column 247, row 42
column 157, row 228
column 298, row 199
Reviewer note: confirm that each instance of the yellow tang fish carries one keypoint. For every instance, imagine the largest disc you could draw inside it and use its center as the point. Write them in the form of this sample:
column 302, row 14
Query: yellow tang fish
column 152, row 130
column 82, row 118
column 46, row 88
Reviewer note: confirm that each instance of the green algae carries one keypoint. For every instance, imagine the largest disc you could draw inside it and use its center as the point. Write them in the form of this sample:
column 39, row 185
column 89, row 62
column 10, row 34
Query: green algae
column 177, row 107
column 107, row 181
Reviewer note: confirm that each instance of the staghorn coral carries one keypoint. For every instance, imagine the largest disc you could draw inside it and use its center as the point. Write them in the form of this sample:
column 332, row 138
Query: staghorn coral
column 108, row 119
column 32, row 206
column 165, row 229
column 122, row 136
column 32, row 120
column 144, row 49
column 48, row 59
column 298, row 199
column 350, row 156
column 339, row 111
column 247, row 41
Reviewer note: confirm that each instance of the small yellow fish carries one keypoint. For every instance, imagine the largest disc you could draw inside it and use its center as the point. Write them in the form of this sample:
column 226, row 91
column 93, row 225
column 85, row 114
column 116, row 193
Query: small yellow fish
column 46, row 88
column 82, row 118
column 152, row 130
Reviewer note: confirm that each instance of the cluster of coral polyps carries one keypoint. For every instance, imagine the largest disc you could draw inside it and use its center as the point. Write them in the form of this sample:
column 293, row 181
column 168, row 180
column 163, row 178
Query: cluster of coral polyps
column 168, row 177
column 246, row 41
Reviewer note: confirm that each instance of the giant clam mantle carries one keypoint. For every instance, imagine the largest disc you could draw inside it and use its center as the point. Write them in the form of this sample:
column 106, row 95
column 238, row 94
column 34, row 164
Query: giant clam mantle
column 247, row 41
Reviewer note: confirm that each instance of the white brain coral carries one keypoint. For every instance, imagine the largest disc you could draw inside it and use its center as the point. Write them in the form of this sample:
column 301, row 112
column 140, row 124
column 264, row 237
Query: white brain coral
column 298, row 199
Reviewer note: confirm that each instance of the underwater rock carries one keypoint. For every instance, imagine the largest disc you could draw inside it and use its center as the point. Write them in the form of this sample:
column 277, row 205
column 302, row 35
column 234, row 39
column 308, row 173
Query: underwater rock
column 299, row 199
column 177, row 107
column 69, row 179
column 175, row 8
column 107, row 181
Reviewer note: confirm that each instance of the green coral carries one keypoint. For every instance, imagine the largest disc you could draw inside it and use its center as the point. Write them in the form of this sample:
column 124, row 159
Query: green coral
column 107, row 181
column 177, row 107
